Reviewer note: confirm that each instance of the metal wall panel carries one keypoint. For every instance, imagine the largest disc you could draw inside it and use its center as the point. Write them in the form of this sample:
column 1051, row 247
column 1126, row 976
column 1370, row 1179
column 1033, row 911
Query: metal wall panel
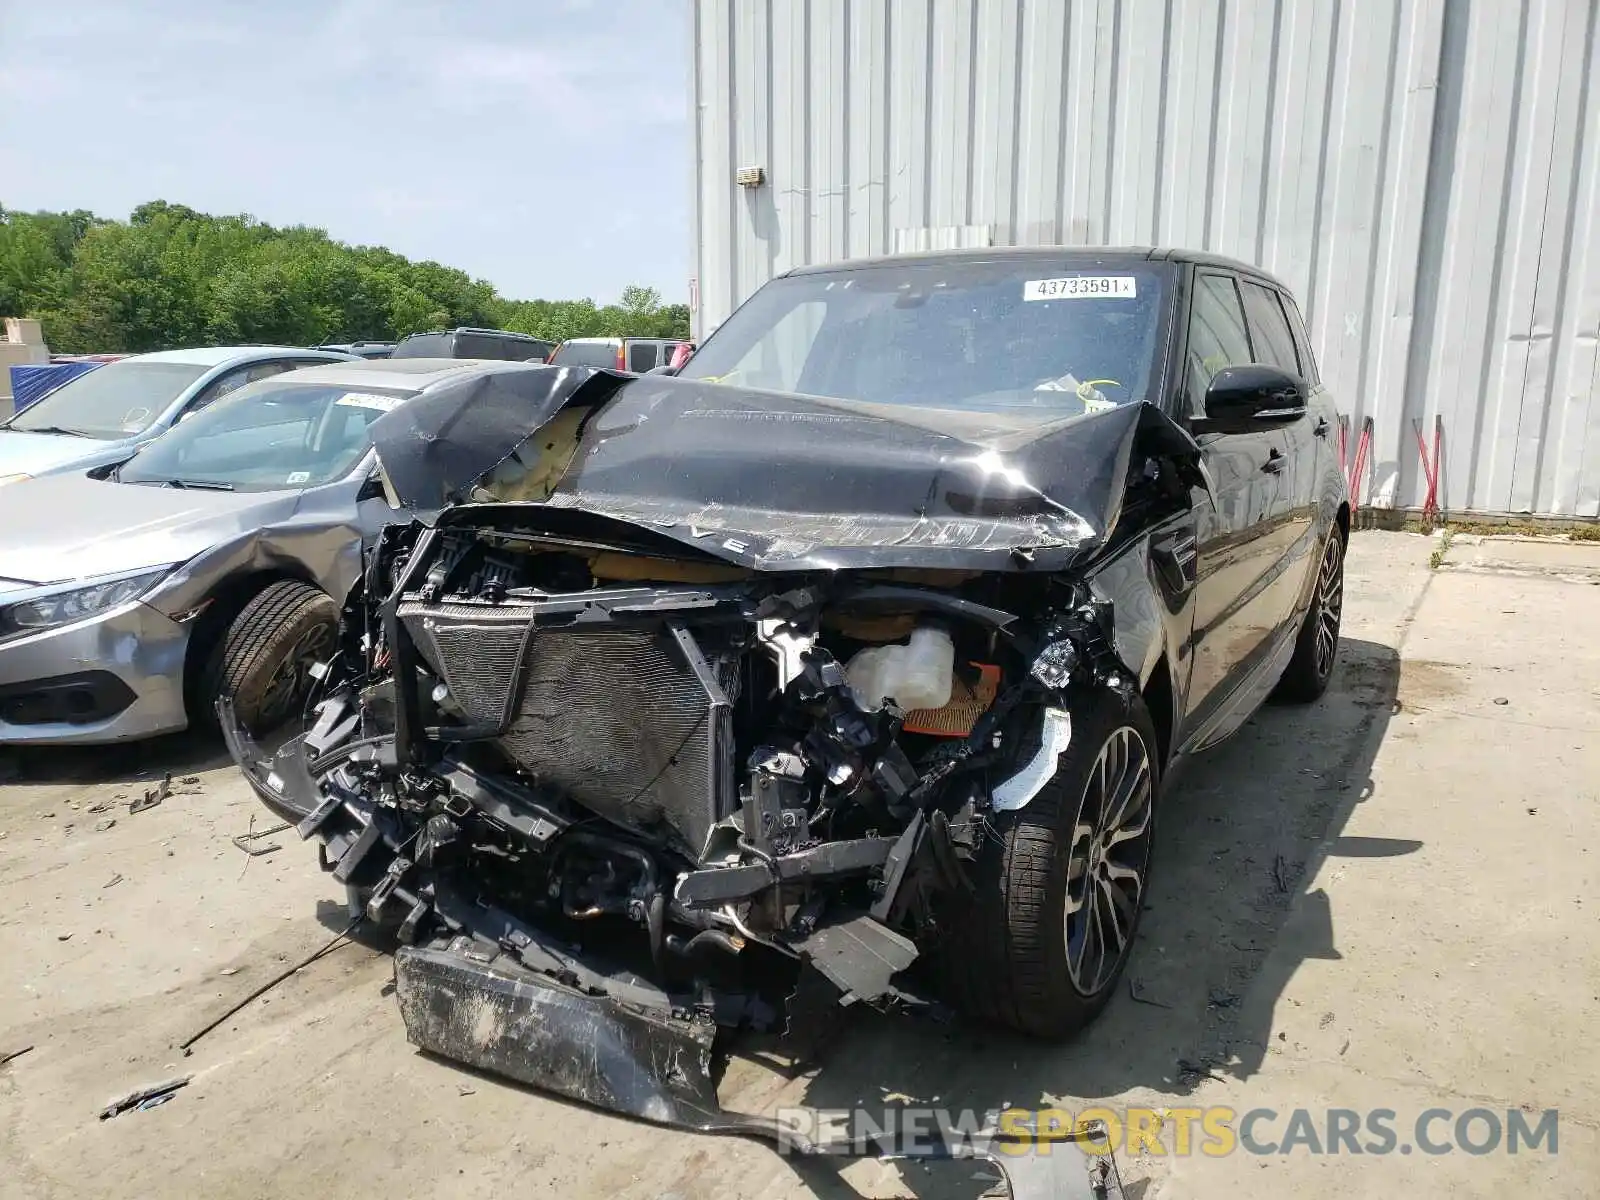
column 1425, row 174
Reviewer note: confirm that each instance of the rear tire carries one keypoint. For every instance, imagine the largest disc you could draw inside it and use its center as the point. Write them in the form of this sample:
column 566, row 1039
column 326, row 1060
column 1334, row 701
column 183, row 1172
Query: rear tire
column 1053, row 873
column 269, row 649
column 1316, row 650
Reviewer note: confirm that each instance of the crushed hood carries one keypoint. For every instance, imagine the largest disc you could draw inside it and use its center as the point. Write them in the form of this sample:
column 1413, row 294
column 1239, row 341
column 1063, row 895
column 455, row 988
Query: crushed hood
column 771, row 480
column 70, row 526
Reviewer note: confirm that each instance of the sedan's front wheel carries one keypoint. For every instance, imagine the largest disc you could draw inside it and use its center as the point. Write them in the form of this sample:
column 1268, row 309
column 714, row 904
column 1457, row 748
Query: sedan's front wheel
column 1061, row 882
column 270, row 649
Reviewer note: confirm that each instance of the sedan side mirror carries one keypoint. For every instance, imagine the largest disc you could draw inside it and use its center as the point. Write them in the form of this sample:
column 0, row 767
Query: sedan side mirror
column 1241, row 399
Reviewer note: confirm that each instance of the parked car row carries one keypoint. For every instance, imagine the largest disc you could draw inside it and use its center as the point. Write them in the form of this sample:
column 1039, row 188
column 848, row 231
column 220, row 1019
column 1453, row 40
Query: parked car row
column 206, row 562
column 635, row 354
column 189, row 549
column 99, row 417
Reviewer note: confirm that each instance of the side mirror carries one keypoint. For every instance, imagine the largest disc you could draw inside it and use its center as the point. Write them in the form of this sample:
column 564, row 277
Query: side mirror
column 1241, row 399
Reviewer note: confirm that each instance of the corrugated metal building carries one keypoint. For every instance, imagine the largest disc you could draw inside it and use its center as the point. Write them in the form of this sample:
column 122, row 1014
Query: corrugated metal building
column 1424, row 173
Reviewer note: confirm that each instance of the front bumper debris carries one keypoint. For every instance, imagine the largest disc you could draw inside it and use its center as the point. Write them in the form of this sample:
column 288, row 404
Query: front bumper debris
column 461, row 1003
column 503, row 997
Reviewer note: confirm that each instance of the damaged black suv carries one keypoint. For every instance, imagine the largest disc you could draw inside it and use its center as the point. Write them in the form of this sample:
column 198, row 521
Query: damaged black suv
column 848, row 665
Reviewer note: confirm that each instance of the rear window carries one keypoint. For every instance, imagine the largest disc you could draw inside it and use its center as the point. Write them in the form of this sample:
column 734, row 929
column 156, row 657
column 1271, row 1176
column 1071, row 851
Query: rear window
column 1269, row 330
column 642, row 356
column 498, row 346
column 426, row 345
column 585, row 354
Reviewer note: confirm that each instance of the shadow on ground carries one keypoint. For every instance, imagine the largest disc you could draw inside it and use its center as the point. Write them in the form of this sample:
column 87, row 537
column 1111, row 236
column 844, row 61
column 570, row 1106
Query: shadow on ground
column 1240, row 832
column 130, row 762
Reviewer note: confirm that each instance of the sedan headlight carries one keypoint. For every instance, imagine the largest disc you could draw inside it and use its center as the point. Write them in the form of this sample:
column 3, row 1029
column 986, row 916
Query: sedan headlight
column 5, row 479
column 85, row 600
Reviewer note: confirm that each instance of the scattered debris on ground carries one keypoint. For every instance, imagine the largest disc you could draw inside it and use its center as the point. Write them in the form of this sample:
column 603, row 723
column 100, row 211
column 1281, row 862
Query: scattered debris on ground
column 10, row 1054
column 247, row 841
column 145, row 1097
column 1137, row 993
column 153, row 796
column 1280, row 874
column 1191, row 1072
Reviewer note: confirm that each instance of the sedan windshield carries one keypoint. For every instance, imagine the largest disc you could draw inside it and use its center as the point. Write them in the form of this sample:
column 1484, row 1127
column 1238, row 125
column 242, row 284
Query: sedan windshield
column 111, row 402
column 1030, row 338
column 267, row 436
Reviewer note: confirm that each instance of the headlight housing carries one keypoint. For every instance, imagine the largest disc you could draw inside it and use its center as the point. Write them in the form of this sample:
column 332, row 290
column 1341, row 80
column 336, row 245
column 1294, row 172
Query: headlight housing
column 81, row 600
column 5, row 479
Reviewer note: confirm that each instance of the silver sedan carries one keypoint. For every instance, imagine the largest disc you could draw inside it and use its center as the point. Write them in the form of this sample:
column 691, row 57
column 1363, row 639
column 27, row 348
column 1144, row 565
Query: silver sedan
column 211, row 561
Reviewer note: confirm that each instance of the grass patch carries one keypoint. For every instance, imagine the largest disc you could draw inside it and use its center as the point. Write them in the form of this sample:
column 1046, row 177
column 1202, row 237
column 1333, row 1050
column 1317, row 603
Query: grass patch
column 1578, row 530
column 1443, row 548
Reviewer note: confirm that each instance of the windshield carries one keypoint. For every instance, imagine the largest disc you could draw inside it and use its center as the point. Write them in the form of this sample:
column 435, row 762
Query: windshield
column 1028, row 337
column 115, row 401
column 267, row 436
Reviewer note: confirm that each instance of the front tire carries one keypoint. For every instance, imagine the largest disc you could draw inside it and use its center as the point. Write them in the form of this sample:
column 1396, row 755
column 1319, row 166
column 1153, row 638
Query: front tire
column 1061, row 882
column 269, row 650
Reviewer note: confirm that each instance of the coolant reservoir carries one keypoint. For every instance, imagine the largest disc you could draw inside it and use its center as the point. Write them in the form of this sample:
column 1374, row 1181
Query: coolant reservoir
column 916, row 675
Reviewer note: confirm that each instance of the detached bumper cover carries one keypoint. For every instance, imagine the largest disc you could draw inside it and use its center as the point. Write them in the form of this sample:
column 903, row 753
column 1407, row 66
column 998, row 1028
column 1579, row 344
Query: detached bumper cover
column 658, row 1067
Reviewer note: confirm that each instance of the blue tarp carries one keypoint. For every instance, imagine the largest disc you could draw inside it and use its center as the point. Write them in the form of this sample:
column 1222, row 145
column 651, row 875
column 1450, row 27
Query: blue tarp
column 31, row 383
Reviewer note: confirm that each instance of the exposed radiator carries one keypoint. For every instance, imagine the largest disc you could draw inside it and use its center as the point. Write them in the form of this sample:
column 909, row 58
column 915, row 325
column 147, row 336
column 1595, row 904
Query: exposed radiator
column 632, row 722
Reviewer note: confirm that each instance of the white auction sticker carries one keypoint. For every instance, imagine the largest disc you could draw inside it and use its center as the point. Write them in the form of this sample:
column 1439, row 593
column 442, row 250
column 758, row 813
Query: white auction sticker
column 368, row 400
column 1079, row 287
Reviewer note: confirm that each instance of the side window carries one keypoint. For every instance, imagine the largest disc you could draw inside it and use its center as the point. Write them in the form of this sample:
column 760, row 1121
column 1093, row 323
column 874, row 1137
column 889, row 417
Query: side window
column 1269, row 328
column 215, row 390
column 1217, row 334
column 780, row 361
column 236, row 379
column 1302, row 343
column 641, row 356
column 267, row 370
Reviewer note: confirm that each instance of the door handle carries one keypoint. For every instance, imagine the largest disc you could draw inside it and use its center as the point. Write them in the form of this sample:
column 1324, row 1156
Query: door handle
column 1322, row 427
column 1275, row 461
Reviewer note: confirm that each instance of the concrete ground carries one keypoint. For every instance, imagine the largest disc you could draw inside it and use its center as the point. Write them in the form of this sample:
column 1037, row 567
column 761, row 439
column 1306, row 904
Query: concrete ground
column 1384, row 901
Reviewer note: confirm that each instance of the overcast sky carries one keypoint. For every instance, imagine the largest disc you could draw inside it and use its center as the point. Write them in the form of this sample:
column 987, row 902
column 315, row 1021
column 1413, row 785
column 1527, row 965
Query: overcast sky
column 542, row 145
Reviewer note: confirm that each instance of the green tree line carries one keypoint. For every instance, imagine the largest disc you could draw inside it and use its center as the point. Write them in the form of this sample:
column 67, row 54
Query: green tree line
column 170, row 276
